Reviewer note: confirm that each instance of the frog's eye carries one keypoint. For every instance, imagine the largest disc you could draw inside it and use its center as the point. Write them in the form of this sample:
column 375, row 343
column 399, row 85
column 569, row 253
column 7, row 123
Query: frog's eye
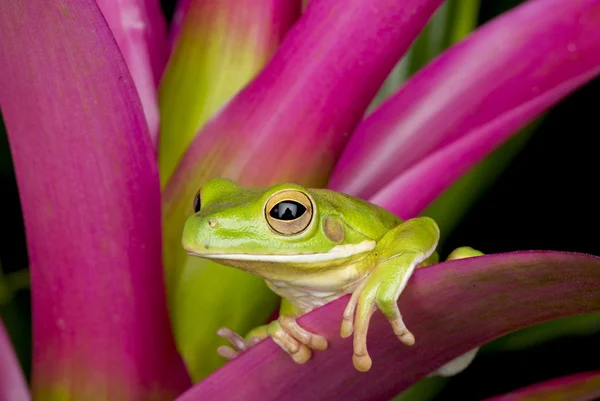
column 289, row 212
column 197, row 202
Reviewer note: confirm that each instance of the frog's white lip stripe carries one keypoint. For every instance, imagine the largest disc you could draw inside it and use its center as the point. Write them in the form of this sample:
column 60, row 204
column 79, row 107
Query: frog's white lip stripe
column 337, row 252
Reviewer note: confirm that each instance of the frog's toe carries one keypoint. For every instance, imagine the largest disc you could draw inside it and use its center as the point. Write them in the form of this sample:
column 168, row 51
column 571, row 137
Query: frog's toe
column 464, row 252
column 361, row 359
column 299, row 352
column 362, row 363
column 238, row 342
column 312, row 340
column 302, row 355
column 400, row 330
column 227, row 352
column 364, row 310
column 348, row 318
column 387, row 303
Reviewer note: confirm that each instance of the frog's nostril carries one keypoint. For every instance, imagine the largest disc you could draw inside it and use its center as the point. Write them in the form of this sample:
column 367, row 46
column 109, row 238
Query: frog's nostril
column 213, row 223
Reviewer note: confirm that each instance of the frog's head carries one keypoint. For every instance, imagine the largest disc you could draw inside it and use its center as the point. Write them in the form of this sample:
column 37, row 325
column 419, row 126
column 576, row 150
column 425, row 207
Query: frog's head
column 285, row 225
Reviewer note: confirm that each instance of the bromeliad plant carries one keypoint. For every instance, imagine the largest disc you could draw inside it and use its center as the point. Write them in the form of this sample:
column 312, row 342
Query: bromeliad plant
column 262, row 93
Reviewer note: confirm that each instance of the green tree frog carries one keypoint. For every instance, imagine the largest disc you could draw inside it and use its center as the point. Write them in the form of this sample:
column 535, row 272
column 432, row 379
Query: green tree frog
column 312, row 246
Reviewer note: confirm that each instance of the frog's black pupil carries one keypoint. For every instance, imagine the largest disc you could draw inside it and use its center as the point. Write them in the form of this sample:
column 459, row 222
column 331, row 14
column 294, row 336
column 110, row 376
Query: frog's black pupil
column 287, row 210
column 197, row 203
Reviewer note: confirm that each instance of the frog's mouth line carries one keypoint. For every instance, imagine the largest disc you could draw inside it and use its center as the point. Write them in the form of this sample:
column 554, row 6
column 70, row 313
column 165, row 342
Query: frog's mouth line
column 337, row 252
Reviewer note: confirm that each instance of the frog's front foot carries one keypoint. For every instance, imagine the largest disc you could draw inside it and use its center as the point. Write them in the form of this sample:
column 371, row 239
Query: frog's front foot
column 239, row 343
column 294, row 340
column 369, row 296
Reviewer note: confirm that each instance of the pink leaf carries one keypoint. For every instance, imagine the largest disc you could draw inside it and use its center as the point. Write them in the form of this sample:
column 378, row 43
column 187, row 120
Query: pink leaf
column 451, row 307
column 89, row 189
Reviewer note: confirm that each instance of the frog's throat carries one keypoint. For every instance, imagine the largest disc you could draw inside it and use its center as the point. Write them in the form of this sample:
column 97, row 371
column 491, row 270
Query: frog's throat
column 335, row 253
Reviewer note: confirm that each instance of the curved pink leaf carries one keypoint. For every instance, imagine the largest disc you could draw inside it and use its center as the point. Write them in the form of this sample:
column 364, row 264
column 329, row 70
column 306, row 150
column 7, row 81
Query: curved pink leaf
column 139, row 28
column 511, row 61
column 417, row 187
column 13, row 386
column 451, row 308
column 89, row 189
column 577, row 387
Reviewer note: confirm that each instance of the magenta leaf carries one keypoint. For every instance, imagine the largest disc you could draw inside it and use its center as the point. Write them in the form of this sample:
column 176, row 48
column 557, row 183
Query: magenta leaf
column 451, row 307
column 577, row 387
column 88, row 182
column 515, row 60
column 13, row 386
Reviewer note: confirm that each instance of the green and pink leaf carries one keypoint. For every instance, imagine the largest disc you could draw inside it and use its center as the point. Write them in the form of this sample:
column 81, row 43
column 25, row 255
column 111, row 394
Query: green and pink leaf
column 299, row 111
column 289, row 124
column 88, row 182
column 220, row 47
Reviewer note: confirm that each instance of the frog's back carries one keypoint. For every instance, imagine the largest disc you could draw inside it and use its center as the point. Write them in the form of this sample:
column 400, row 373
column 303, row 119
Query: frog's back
column 371, row 220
